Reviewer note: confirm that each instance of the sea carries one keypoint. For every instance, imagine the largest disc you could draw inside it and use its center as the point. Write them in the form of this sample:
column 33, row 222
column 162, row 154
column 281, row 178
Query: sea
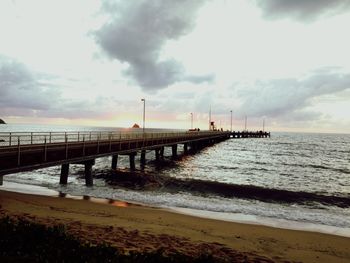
column 291, row 180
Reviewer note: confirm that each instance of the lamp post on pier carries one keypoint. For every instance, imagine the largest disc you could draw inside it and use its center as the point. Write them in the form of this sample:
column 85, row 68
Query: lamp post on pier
column 264, row 125
column 231, row 120
column 210, row 119
column 144, row 114
column 191, row 120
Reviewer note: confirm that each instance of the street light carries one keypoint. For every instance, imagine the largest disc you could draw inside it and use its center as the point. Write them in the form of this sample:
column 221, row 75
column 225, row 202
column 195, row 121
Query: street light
column 210, row 118
column 191, row 120
column 231, row 120
column 144, row 113
column 263, row 124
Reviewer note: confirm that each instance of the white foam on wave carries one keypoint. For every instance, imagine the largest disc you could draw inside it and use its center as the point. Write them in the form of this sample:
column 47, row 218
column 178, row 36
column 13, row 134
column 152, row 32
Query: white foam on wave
column 27, row 189
column 271, row 222
column 330, row 216
column 237, row 210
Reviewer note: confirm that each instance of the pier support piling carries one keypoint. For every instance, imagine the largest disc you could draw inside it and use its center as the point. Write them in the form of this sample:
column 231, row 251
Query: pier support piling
column 156, row 151
column 132, row 161
column 161, row 152
column 174, row 150
column 185, row 148
column 114, row 161
column 64, row 173
column 88, row 174
column 143, row 157
column 194, row 147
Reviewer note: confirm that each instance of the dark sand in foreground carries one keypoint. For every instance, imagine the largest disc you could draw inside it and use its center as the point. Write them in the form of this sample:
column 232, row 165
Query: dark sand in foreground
column 138, row 228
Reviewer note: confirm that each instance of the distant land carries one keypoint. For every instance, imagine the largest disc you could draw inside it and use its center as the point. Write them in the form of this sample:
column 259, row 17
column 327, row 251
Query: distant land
column 2, row 121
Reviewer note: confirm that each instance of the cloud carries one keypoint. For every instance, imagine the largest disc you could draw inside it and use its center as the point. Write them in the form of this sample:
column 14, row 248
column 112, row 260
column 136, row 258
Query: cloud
column 136, row 32
column 283, row 97
column 302, row 10
column 22, row 89
column 25, row 93
column 100, row 108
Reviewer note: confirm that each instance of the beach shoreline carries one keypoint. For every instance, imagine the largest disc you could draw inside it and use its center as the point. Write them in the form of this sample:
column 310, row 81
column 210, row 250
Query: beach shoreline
column 156, row 227
column 221, row 216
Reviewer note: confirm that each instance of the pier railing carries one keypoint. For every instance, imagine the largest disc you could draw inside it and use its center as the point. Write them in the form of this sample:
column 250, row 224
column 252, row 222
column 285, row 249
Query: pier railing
column 32, row 138
column 21, row 151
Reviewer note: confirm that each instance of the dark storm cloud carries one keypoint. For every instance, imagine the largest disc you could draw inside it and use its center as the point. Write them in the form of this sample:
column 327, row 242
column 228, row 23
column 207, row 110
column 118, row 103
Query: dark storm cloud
column 283, row 97
column 21, row 89
column 26, row 93
column 137, row 31
column 303, row 10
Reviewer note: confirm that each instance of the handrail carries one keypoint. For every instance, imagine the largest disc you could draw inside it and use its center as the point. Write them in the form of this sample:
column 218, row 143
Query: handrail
column 30, row 138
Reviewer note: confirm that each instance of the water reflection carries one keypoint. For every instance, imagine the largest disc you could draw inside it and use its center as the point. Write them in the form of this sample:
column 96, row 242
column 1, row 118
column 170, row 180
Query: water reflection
column 112, row 202
column 118, row 203
column 61, row 194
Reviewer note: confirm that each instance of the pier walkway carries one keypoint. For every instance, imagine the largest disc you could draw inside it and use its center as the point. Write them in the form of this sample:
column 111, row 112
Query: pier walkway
column 28, row 151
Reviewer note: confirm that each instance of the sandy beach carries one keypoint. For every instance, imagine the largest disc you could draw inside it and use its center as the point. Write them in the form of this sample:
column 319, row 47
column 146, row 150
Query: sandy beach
column 138, row 228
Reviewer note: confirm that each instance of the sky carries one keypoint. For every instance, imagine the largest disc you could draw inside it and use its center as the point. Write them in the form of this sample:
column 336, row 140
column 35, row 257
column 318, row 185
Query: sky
column 90, row 62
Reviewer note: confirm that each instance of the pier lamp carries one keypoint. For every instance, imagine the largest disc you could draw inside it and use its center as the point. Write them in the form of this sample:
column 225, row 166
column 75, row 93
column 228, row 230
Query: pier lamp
column 231, row 120
column 263, row 124
column 144, row 114
column 191, row 120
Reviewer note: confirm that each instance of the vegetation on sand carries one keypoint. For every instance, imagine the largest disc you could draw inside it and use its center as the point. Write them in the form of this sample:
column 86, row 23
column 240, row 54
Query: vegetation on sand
column 24, row 241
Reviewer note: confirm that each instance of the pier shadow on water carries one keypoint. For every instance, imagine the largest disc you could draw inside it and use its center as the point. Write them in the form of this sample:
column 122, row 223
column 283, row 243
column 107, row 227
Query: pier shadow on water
column 152, row 181
column 151, row 177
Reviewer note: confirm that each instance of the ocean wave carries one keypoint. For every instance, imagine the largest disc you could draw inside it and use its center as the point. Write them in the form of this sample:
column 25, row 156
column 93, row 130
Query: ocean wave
column 323, row 167
column 202, row 187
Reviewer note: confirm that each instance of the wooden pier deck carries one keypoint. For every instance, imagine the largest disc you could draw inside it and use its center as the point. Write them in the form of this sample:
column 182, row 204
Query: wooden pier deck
column 28, row 151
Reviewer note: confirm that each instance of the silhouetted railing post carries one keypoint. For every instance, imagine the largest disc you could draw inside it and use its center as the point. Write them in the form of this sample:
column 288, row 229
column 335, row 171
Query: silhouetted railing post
column 98, row 144
column 110, row 141
column 45, row 150
column 19, row 151
column 84, row 145
column 66, row 139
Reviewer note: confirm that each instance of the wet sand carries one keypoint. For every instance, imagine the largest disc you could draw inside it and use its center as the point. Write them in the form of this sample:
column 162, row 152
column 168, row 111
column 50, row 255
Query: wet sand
column 139, row 228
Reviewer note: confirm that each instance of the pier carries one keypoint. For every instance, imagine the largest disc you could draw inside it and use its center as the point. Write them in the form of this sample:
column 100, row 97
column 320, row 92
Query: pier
column 29, row 151
column 250, row 134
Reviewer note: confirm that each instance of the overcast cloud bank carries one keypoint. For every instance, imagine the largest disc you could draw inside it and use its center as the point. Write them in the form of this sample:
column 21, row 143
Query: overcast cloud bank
column 279, row 97
column 143, row 49
column 24, row 93
column 135, row 33
column 303, row 10
column 21, row 89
